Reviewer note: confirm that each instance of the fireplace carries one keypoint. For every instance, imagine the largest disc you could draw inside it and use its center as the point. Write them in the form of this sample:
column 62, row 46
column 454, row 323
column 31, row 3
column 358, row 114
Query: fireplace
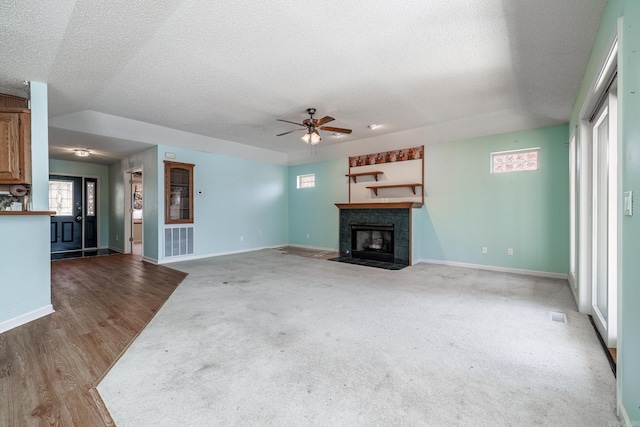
column 390, row 222
column 372, row 241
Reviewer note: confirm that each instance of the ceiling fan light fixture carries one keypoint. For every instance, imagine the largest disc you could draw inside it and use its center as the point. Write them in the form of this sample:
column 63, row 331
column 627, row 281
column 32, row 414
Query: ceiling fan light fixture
column 312, row 127
column 81, row 152
column 315, row 137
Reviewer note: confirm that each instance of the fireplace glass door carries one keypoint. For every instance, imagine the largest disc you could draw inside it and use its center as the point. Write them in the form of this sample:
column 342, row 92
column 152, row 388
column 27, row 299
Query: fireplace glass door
column 372, row 241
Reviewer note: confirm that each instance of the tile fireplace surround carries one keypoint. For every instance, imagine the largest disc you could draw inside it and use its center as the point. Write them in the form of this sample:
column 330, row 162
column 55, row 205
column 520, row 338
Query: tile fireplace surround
column 398, row 214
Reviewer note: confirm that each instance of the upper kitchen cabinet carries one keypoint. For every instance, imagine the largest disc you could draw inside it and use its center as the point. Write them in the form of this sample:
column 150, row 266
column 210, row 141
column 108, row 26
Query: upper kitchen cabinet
column 15, row 146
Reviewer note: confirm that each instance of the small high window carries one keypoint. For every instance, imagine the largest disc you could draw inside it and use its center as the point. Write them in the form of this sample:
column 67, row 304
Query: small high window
column 306, row 181
column 515, row 160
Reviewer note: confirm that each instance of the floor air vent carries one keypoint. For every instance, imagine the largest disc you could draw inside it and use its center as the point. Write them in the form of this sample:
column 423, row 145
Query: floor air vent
column 178, row 241
column 556, row 316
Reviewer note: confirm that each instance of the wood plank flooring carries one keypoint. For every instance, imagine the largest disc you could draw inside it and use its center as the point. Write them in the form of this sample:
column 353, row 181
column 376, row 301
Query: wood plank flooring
column 49, row 368
column 309, row 253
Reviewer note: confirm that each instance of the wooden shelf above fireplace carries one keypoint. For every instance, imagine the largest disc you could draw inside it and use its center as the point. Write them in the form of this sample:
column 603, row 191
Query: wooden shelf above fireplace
column 355, row 176
column 411, row 186
column 396, row 205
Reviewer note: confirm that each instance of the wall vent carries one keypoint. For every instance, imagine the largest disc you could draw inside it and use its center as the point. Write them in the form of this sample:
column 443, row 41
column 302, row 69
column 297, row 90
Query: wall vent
column 178, row 240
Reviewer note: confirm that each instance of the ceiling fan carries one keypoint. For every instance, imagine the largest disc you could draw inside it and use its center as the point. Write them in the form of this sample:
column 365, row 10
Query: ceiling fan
column 312, row 125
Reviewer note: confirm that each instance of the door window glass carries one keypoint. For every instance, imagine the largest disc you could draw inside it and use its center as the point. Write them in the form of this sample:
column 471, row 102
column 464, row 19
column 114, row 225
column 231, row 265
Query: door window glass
column 91, row 198
column 61, row 197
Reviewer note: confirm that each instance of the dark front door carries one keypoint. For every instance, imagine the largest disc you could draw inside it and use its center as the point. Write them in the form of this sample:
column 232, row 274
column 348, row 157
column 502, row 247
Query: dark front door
column 65, row 198
column 90, row 213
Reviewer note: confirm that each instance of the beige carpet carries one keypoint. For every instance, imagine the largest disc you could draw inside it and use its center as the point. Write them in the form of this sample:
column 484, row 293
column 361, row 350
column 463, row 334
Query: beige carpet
column 267, row 338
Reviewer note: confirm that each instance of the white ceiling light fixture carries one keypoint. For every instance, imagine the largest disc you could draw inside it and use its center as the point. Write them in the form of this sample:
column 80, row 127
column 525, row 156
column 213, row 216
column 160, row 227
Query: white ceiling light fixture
column 337, row 135
column 313, row 137
column 374, row 126
column 81, row 152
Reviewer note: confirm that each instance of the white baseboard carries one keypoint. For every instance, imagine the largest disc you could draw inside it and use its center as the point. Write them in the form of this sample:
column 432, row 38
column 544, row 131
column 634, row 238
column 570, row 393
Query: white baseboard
column 573, row 292
column 622, row 413
column 150, row 260
column 496, row 268
column 26, row 318
column 194, row 257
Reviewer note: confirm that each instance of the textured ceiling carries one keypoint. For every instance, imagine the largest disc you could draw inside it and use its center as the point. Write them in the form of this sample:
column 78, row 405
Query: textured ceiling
column 228, row 69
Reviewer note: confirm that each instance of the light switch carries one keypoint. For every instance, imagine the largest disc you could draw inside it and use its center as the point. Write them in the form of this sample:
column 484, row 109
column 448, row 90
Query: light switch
column 628, row 203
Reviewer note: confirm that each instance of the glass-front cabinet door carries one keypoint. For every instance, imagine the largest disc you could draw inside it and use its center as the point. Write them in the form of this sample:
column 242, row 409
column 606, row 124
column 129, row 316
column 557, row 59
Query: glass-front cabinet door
column 178, row 193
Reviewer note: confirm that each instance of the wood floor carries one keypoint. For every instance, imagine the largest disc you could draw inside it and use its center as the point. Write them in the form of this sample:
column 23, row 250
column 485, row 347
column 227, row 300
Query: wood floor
column 49, row 368
column 308, row 253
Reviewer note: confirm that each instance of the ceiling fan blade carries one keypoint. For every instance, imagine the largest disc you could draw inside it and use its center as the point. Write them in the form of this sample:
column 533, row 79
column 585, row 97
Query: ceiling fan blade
column 293, row 123
column 325, row 119
column 337, row 130
column 295, row 130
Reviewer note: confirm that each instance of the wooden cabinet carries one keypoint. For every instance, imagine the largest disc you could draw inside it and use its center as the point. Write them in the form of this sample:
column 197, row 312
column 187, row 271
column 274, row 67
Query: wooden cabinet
column 15, row 146
column 178, row 193
column 12, row 101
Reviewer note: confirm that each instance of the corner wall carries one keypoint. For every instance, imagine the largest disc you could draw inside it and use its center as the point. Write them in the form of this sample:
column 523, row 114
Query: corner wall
column 466, row 207
column 312, row 211
column 25, row 261
column 148, row 161
column 239, row 204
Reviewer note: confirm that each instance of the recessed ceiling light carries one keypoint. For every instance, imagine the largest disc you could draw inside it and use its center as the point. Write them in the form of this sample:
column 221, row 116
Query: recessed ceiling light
column 337, row 135
column 81, row 152
column 374, row 126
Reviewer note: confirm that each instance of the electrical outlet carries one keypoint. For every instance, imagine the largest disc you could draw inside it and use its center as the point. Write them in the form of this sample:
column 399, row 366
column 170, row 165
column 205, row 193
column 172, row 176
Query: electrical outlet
column 484, row 249
column 116, row 237
column 510, row 251
column 241, row 238
column 307, row 235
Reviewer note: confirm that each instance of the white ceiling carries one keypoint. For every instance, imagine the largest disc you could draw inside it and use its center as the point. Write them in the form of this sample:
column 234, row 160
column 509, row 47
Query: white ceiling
column 226, row 70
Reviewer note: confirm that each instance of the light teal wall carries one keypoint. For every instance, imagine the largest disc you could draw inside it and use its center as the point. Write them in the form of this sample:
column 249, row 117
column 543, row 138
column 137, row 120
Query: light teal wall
column 312, row 210
column 25, row 261
column 233, row 198
column 40, row 147
column 24, row 240
column 147, row 160
column 630, row 285
column 63, row 167
column 628, row 368
column 467, row 207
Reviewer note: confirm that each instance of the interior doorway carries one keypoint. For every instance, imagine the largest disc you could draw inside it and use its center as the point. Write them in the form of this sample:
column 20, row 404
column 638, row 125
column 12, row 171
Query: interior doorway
column 134, row 218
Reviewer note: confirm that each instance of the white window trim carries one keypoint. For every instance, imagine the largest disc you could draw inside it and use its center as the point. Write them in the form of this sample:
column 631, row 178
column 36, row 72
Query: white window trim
column 300, row 183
